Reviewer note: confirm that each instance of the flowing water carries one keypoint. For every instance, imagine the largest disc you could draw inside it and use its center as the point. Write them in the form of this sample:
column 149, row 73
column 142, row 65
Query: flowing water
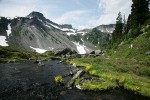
column 27, row 81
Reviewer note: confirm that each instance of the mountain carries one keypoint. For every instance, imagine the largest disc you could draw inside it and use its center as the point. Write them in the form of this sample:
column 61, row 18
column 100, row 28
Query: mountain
column 106, row 28
column 35, row 32
column 98, row 36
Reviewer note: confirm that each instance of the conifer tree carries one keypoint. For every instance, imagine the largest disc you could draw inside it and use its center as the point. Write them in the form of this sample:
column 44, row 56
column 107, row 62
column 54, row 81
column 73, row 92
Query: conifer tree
column 139, row 12
column 117, row 34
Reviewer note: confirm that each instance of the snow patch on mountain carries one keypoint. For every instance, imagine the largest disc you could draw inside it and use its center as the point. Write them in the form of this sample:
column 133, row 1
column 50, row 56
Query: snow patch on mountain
column 49, row 24
column 9, row 30
column 38, row 50
column 51, row 48
column 71, row 33
column 40, row 20
column 3, row 41
column 106, row 28
column 68, row 30
column 80, row 48
column 30, row 17
column 82, row 33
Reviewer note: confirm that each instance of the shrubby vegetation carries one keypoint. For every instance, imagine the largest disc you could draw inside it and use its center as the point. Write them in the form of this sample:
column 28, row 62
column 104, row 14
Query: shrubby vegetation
column 76, row 38
column 138, row 19
column 97, row 38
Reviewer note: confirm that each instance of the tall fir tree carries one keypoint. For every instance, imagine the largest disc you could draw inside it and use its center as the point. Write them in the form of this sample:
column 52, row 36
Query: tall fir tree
column 117, row 34
column 139, row 12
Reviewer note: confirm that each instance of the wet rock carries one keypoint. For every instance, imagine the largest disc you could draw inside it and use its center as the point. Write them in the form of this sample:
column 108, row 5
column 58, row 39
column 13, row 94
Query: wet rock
column 78, row 87
column 60, row 61
column 31, row 59
column 40, row 63
column 77, row 74
column 62, row 92
column 74, row 65
column 62, row 51
column 96, row 52
column 76, row 56
column 36, row 61
column 93, row 52
column 71, row 82
column 55, row 58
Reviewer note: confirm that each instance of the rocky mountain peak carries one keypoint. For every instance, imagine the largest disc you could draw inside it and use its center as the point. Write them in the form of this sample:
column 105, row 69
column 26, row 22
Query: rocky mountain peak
column 37, row 15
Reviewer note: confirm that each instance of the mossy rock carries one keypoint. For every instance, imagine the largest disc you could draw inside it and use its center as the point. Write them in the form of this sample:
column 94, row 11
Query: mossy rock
column 59, row 80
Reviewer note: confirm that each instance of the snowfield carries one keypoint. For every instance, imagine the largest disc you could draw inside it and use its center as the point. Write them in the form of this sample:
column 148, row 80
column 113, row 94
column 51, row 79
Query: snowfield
column 3, row 41
column 71, row 33
column 81, row 48
column 66, row 29
column 38, row 50
column 82, row 33
column 9, row 30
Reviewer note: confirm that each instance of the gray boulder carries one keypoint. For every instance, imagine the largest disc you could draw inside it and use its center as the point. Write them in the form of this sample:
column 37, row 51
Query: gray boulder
column 147, row 53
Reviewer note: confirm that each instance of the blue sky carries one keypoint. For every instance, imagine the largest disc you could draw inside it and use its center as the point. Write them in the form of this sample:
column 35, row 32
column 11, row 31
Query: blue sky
column 80, row 13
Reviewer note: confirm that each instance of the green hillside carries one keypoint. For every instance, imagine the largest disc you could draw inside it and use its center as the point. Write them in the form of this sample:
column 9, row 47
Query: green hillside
column 126, row 63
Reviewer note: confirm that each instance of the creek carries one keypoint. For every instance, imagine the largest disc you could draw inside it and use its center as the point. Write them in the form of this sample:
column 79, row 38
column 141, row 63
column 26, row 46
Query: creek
column 27, row 81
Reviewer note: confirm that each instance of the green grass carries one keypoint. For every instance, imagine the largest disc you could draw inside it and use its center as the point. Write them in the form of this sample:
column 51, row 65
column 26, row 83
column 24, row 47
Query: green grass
column 10, row 54
column 112, row 72
column 124, row 66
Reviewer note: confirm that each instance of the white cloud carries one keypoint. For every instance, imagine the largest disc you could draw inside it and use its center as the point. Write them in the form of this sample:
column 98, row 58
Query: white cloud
column 83, row 26
column 21, row 11
column 114, row 6
column 109, row 10
column 12, row 8
column 103, row 19
column 70, row 16
column 79, row 15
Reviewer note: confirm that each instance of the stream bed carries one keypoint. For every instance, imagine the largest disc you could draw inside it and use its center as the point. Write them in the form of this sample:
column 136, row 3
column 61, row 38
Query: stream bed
column 27, row 81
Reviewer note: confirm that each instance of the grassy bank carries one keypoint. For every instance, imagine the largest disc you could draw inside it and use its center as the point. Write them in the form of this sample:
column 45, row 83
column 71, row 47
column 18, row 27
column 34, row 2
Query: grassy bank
column 123, row 67
column 116, row 72
column 10, row 54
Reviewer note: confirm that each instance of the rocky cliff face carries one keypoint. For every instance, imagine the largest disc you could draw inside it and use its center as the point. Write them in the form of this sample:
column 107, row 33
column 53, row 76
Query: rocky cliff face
column 36, row 31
